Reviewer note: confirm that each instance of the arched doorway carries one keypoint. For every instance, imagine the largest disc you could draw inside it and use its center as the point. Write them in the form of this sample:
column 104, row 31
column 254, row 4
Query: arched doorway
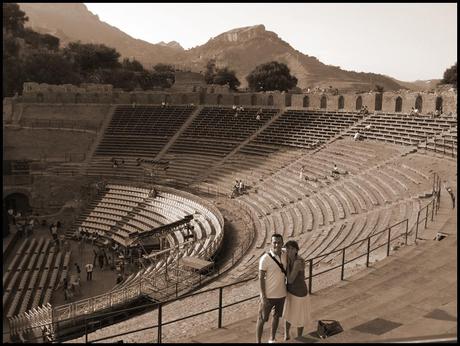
column 253, row 100
column 236, row 100
column 219, row 99
column 288, row 100
column 40, row 97
column 306, row 102
column 359, row 103
column 202, row 98
column 341, row 104
column 323, row 102
column 212, row 90
column 184, row 99
column 419, row 103
column 438, row 104
column 167, row 99
column 378, row 102
column 398, row 104
column 270, row 100
column 77, row 98
column 17, row 201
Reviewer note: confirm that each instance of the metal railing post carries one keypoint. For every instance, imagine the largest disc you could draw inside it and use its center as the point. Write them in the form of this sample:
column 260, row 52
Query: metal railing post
column 426, row 215
column 416, row 227
column 389, row 241
column 219, row 320
column 407, row 230
column 86, row 330
column 368, row 251
column 159, row 323
column 343, row 264
column 432, row 209
column 444, row 146
column 310, row 275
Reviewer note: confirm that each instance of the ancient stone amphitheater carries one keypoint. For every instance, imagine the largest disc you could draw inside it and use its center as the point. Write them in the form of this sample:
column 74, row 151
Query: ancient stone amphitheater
column 115, row 172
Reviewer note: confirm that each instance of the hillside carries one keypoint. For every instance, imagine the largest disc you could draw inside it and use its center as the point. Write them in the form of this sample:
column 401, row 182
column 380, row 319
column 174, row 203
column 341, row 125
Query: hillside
column 241, row 49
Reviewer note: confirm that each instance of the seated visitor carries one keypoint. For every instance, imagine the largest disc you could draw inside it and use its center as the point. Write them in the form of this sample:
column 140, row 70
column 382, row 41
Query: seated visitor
column 335, row 170
column 357, row 136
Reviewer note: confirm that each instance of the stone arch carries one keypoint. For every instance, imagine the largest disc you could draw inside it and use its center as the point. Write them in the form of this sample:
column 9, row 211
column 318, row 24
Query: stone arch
column 398, row 104
column 359, row 103
column 341, row 103
column 18, row 201
column 253, row 100
column 270, row 100
column 323, row 102
column 183, row 99
column 236, row 100
column 219, row 99
column 77, row 98
column 288, row 100
column 378, row 102
column 306, row 102
column 40, row 97
column 438, row 104
column 419, row 103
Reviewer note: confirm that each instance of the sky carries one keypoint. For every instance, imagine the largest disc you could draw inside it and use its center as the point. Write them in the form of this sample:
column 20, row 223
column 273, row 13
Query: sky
column 406, row 41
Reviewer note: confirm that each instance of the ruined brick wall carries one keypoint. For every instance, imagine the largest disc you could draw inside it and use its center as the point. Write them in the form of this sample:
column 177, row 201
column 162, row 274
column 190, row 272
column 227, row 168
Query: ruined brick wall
column 220, row 95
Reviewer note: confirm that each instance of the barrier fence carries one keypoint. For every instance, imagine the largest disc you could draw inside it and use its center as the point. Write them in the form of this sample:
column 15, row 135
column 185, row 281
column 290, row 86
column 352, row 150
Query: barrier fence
column 399, row 230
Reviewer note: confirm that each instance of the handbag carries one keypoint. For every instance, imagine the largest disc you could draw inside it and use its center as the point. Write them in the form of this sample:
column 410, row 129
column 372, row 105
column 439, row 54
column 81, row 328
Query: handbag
column 328, row 328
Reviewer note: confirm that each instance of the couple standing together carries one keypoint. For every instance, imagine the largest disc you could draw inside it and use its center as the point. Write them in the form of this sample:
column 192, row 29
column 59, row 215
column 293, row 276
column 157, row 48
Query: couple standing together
column 282, row 289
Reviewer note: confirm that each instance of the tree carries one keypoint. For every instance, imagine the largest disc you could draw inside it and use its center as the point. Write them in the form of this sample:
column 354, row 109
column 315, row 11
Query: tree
column 225, row 76
column 163, row 75
column 210, row 71
column 271, row 76
column 132, row 65
column 49, row 67
column 89, row 57
column 13, row 18
column 378, row 88
column 450, row 76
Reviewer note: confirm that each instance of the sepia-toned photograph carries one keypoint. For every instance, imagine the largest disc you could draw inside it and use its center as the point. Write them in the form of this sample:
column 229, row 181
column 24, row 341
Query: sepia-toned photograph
column 229, row 172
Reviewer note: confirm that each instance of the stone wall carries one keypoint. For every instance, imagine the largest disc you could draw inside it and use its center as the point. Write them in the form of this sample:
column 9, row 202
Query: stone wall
column 220, row 95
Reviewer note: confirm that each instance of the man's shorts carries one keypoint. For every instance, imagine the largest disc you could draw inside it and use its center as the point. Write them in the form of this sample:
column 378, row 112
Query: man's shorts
column 264, row 311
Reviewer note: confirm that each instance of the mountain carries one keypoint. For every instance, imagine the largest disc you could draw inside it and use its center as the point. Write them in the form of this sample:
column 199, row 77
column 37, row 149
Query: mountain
column 421, row 85
column 240, row 49
column 73, row 22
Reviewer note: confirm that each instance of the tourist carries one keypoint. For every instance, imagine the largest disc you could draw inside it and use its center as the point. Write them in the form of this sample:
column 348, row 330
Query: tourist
column 241, row 186
column 272, row 286
column 53, row 230
column 357, row 136
column 89, row 271
column 451, row 193
column 296, row 308
column 335, row 170
column 77, row 269
column 302, row 169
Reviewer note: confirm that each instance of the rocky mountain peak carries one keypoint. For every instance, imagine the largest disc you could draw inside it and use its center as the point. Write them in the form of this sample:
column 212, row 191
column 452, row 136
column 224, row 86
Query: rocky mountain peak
column 243, row 34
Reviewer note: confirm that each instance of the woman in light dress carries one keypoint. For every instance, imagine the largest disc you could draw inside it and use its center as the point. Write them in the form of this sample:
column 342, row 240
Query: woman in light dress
column 297, row 304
